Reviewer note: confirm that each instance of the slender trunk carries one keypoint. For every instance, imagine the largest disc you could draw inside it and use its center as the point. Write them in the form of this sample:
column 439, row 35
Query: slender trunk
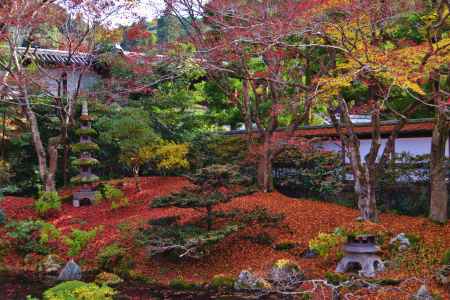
column 3, row 151
column 38, row 145
column 52, row 151
column 136, row 178
column 209, row 217
column 247, row 112
column 438, row 165
column 66, row 163
column 265, row 180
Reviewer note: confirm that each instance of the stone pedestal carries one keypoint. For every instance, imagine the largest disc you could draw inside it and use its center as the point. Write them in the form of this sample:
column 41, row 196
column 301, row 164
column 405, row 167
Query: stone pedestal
column 81, row 195
column 369, row 263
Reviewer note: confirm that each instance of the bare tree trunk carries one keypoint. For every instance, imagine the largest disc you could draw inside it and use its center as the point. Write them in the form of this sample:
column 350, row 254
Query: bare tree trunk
column 52, row 151
column 438, row 165
column 136, row 178
column 3, row 150
column 265, row 180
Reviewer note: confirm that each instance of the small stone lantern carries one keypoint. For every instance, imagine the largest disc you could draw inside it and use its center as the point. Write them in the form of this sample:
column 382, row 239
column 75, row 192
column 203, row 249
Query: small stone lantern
column 361, row 251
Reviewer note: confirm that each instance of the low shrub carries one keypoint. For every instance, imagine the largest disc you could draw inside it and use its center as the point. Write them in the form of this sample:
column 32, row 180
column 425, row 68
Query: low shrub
column 324, row 243
column 446, row 258
column 109, row 279
column 78, row 240
column 263, row 217
column 262, row 238
column 33, row 236
column 222, row 281
column 47, row 204
column 78, row 290
column 110, row 193
column 285, row 245
column 181, row 284
column 114, row 258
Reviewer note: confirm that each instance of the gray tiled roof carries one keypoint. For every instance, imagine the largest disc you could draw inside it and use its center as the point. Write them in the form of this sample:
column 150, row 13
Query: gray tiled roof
column 58, row 57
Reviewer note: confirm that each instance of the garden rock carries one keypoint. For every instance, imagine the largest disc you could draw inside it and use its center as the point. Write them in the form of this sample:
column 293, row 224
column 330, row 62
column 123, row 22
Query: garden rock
column 71, row 271
column 402, row 241
column 443, row 275
column 286, row 273
column 51, row 264
column 249, row 281
column 309, row 254
column 422, row 294
column 108, row 279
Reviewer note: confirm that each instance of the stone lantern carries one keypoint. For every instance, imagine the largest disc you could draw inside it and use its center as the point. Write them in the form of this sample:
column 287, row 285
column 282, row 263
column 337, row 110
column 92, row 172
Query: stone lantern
column 361, row 251
column 85, row 162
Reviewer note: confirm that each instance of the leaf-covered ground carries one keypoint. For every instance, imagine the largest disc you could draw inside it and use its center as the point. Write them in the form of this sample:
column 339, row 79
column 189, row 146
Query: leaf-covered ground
column 304, row 219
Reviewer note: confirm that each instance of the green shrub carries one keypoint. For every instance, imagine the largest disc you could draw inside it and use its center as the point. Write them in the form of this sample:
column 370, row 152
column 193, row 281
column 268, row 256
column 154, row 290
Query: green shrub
column 324, row 243
column 33, row 236
column 262, row 238
column 317, row 173
column 446, row 258
column 48, row 203
column 78, row 240
column 108, row 279
column 222, row 281
column 78, row 290
column 112, row 194
column 114, row 258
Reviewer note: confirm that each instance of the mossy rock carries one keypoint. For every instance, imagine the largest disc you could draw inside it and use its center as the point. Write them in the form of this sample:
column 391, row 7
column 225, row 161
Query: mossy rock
column 108, row 279
column 222, row 281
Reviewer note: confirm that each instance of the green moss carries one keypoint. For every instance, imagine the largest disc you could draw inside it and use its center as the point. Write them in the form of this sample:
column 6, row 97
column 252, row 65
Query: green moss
column 181, row 284
column 81, row 147
column 85, row 162
column 222, row 281
column 84, row 179
column 335, row 278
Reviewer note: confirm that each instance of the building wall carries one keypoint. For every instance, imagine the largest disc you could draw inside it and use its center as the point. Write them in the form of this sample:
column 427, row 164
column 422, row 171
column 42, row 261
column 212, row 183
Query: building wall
column 413, row 145
column 88, row 79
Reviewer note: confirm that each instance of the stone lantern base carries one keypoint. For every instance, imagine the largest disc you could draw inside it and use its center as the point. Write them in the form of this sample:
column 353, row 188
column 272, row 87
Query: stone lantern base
column 83, row 195
column 369, row 263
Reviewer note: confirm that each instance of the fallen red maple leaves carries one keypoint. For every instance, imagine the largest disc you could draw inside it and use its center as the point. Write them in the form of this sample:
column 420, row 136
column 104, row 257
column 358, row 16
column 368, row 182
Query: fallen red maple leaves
column 304, row 220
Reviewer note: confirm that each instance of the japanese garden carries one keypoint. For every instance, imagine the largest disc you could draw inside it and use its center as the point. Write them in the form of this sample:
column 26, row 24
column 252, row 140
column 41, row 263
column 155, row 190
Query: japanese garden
column 224, row 149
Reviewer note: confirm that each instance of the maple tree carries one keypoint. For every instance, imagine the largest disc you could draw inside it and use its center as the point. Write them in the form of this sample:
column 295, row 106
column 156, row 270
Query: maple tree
column 27, row 83
column 366, row 56
column 258, row 46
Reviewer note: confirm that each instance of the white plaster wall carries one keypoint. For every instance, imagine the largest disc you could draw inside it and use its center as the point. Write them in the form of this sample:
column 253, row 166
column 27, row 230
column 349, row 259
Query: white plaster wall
column 414, row 146
column 50, row 77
